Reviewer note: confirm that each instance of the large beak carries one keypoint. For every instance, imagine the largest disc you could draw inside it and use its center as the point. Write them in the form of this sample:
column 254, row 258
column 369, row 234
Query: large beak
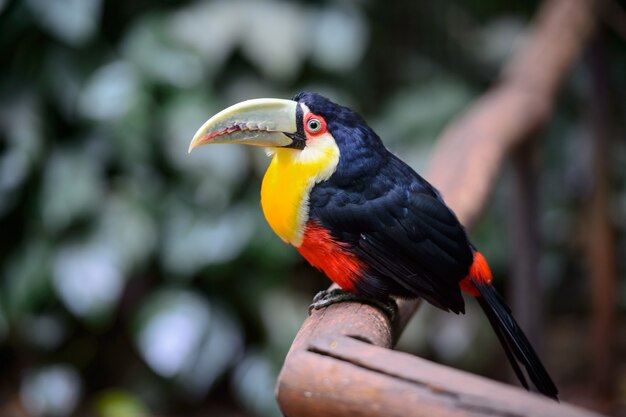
column 269, row 122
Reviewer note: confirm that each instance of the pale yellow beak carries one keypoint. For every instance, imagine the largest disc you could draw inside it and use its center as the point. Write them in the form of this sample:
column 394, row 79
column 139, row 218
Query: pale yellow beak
column 269, row 122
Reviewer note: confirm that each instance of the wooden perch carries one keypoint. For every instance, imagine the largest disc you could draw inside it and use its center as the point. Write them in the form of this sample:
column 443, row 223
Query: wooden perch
column 340, row 364
column 330, row 370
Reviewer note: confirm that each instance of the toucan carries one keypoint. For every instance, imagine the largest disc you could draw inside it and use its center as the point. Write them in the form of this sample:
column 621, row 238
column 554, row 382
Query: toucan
column 363, row 217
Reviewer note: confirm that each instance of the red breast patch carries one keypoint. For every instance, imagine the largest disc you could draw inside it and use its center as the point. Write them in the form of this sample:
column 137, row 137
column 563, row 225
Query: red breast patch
column 330, row 256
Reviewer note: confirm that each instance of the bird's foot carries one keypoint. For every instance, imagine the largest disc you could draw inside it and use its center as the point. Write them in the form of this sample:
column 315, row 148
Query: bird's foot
column 325, row 298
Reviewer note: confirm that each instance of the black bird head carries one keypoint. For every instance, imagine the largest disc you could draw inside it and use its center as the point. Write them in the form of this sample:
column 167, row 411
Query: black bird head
column 346, row 126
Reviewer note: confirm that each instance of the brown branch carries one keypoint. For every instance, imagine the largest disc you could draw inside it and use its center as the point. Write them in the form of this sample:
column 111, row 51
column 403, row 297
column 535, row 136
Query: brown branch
column 369, row 381
column 328, row 372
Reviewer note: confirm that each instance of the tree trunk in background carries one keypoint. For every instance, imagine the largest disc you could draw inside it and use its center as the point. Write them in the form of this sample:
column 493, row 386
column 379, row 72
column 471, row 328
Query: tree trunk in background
column 600, row 239
column 526, row 290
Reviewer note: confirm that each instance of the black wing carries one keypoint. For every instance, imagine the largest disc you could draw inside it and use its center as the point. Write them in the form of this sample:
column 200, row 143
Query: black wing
column 399, row 226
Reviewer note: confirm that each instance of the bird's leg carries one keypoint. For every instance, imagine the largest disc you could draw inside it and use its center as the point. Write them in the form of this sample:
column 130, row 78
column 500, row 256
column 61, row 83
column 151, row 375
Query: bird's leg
column 325, row 298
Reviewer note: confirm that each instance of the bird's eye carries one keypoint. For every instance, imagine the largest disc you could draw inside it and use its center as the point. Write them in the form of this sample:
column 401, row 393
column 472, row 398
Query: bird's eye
column 313, row 125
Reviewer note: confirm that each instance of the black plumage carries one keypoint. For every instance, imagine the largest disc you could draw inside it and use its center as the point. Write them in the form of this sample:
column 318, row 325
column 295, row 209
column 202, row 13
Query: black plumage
column 392, row 218
column 412, row 244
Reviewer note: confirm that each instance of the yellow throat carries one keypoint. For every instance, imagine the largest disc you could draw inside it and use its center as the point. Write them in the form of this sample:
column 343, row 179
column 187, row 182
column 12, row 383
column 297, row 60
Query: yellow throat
column 288, row 181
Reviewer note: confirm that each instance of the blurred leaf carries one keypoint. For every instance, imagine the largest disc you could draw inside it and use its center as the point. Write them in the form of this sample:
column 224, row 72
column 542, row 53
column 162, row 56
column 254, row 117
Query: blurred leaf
column 340, row 38
column 65, row 77
column 154, row 52
column 171, row 327
column 21, row 123
column 181, row 336
column 252, row 85
column 276, row 39
column 45, row 331
column 282, row 313
column 217, row 352
column 414, row 337
column 253, row 382
column 72, row 187
column 118, row 403
column 192, row 241
column 418, row 113
column 88, row 279
column 498, row 40
column 13, row 170
column 51, row 391
column 414, row 117
column 89, row 275
column 464, row 341
column 110, row 92
column 221, row 23
column 451, row 336
column 72, row 21
column 25, row 283
column 272, row 34
column 127, row 230
column 134, row 139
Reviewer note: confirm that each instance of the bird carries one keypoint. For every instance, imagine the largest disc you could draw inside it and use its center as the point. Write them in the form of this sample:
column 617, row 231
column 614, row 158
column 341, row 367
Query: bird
column 363, row 217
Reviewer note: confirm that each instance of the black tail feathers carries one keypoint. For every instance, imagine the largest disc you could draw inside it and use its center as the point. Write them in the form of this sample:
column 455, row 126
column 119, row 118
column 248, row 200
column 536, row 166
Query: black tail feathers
column 516, row 346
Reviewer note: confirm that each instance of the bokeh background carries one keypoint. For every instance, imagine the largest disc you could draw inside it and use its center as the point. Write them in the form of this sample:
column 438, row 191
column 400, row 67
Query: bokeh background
column 139, row 280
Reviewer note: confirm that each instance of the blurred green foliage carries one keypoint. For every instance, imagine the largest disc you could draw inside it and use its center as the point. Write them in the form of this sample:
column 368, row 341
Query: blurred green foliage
column 137, row 279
